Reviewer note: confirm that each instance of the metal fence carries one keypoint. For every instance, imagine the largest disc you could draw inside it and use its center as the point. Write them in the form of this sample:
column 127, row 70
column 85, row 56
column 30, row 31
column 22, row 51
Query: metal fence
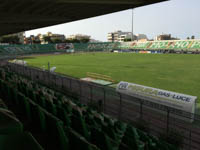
column 123, row 107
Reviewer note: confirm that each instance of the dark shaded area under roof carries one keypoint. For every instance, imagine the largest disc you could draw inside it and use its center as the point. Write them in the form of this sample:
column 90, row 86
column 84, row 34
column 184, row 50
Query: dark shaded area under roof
column 23, row 15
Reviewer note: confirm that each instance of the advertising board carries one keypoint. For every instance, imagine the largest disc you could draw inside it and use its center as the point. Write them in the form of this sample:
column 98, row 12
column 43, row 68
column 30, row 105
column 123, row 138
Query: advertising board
column 173, row 100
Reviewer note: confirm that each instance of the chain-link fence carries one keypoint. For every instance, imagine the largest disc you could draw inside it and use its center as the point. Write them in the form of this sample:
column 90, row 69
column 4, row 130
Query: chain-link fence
column 161, row 119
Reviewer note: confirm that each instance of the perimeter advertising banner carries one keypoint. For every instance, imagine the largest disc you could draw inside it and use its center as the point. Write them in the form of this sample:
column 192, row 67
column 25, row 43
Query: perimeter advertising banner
column 68, row 47
column 185, row 103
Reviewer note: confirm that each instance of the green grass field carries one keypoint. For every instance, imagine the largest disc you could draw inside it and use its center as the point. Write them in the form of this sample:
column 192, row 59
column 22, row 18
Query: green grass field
column 174, row 72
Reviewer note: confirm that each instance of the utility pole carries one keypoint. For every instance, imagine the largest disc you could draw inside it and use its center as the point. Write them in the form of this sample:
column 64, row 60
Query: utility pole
column 132, row 24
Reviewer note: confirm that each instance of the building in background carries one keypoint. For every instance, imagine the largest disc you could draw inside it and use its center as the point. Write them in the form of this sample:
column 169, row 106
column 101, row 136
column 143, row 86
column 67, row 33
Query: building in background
column 95, row 41
column 20, row 35
column 78, row 37
column 141, row 37
column 53, row 38
column 45, row 38
column 165, row 37
column 32, row 39
column 119, row 36
column 16, row 38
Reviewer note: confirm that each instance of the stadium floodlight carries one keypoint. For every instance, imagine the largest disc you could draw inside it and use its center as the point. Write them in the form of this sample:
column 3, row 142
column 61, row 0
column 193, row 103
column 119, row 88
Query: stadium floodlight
column 132, row 24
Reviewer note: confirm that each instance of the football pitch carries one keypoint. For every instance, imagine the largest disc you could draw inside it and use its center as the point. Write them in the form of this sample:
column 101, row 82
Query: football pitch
column 173, row 72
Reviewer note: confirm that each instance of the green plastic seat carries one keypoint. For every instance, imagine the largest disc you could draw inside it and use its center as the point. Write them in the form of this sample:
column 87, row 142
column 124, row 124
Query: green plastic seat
column 41, row 101
column 57, row 102
column 76, row 112
column 9, row 124
column 120, row 126
column 37, row 117
column 14, row 96
column 20, row 98
column 21, row 141
column 9, row 93
column 78, row 124
column 50, row 107
column 26, row 107
column 62, row 115
column 56, row 132
column 131, row 139
column 123, row 146
column 3, row 105
column 31, row 94
column 145, row 138
column 100, row 139
column 90, row 121
column 67, row 108
column 109, row 131
column 4, row 90
column 98, row 120
column 109, row 121
column 79, row 142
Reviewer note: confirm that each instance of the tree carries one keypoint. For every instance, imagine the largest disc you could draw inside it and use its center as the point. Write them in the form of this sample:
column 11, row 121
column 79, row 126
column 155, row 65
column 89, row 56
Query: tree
column 56, row 40
column 193, row 37
column 48, row 39
column 84, row 40
column 67, row 41
column 75, row 41
column 11, row 39
column 188, row 38
column 127, row 40
column 36, row 42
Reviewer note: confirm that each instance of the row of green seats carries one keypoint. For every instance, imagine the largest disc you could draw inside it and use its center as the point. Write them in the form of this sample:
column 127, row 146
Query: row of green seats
column 87, row 122
column 46, row 122
column 19, row 141
column 12, row 136
column 78, row 122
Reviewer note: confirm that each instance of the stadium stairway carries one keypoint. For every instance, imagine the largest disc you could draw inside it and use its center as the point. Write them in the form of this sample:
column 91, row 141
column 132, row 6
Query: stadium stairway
column 61, row 123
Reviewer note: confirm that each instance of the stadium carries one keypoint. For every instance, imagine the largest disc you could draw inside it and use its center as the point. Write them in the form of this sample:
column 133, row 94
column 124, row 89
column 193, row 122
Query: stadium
column 90, row 96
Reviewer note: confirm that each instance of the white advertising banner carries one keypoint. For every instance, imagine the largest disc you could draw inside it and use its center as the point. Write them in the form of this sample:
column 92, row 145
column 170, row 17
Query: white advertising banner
column 174, row 100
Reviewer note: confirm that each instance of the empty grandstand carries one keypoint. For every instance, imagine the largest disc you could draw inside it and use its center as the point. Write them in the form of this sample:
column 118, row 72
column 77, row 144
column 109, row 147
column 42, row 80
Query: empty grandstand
column 50, row 120
column 178, row 46
column 41, row 110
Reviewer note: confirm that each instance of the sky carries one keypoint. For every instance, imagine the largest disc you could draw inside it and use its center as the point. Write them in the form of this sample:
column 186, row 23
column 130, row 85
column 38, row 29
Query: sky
column 180, row 18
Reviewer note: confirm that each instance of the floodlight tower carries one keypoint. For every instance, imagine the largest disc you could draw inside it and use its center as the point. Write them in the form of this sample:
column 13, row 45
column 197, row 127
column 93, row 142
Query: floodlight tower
column 132, row 23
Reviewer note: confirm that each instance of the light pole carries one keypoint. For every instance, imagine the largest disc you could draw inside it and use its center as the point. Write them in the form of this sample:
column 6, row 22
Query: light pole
column 132, row 24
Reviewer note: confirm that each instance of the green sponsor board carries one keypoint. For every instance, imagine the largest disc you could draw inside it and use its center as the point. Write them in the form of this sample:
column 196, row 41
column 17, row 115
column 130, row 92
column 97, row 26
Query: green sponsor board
column 102, row 46
column 105, row 46
column 141, row 45
column 159, row 45
column 195, row 45
column 126, row 45
column 180, row 45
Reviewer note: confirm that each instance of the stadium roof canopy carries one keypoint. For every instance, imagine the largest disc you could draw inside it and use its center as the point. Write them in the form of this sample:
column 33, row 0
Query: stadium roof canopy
column 23, row 15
